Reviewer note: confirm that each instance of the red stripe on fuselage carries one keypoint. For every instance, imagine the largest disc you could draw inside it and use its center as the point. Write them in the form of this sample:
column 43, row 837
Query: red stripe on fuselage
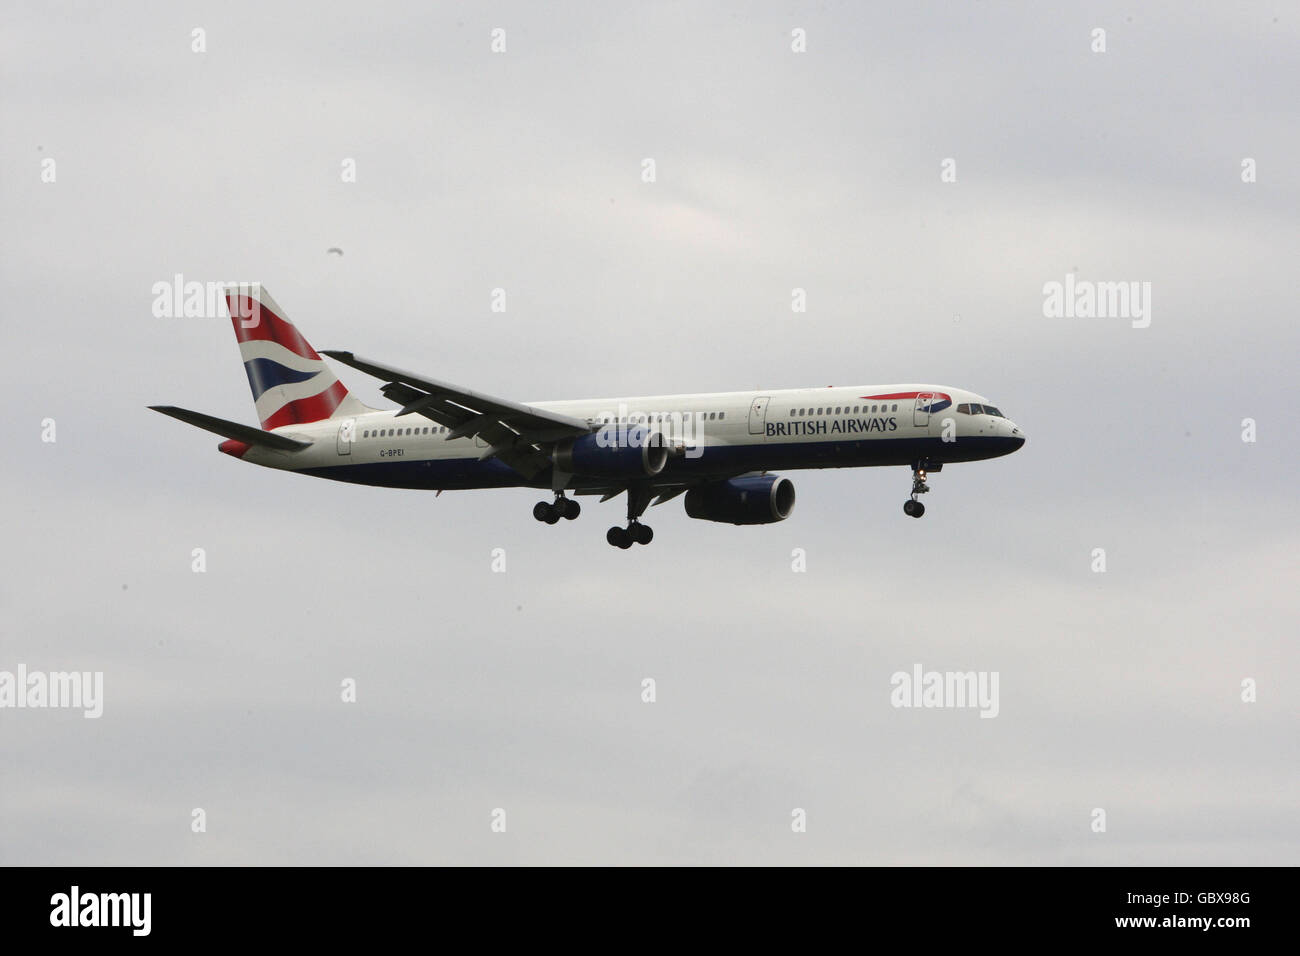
column 314, row 409
column 940, row 395
column 254, row 322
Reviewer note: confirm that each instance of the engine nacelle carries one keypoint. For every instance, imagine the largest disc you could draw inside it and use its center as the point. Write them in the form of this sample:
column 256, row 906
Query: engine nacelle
column 751, row 500
column 615, row 451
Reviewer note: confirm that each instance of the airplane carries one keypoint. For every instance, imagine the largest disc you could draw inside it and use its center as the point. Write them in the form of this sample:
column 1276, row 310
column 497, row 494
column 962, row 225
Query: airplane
column 719, row 450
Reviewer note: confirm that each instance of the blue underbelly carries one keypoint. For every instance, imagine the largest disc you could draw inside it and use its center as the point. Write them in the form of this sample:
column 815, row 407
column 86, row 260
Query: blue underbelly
column 465, row 473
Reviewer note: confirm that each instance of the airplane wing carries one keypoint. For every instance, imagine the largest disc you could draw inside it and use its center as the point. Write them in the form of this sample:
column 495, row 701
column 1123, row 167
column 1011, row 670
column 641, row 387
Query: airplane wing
column 661, row 490
column 512, row 431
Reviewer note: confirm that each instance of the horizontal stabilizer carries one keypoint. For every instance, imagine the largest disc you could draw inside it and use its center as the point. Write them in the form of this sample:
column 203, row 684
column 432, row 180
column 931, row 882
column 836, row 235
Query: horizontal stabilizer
column 244, row 433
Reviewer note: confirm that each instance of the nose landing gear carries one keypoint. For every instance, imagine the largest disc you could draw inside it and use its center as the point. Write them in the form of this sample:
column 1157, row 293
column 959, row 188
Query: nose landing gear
column 912, row 506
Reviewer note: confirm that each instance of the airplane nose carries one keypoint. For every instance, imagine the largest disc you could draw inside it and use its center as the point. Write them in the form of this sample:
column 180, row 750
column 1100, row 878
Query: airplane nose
column 1017, row 435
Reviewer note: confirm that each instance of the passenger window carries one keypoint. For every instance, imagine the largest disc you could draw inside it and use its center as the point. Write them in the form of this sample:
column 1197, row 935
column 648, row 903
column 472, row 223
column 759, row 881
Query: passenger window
column 721, row 415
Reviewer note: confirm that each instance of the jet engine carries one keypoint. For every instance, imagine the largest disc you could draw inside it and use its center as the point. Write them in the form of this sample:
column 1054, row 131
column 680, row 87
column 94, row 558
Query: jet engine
column 756, row 499
column 615, row 451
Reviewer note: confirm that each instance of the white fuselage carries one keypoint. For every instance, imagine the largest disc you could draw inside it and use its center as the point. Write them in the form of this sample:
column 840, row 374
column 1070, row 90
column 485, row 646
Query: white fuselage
column 719, row 433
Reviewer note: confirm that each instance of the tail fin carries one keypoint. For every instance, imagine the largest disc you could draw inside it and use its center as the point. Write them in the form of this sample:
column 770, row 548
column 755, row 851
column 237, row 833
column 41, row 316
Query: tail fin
column 291, row 383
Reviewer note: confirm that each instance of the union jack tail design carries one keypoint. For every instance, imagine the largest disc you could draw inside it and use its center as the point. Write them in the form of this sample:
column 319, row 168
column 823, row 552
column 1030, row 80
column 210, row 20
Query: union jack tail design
column 291, row 383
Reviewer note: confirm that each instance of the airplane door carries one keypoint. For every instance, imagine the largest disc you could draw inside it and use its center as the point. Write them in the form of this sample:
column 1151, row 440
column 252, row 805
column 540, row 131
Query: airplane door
column 921, row 413
column 347, row 430
column 758, row 415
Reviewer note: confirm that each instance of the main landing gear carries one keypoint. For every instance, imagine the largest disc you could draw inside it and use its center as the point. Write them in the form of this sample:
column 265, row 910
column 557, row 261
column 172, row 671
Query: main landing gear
column 912, row 506
column 552, row 512
column 635, row 532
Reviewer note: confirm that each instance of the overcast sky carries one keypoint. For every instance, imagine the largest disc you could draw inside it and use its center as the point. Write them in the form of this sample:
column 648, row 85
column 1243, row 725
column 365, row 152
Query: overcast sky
column 775, row 170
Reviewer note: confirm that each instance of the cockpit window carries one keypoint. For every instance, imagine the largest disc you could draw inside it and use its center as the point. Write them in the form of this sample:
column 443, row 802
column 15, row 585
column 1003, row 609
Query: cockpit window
column 974, row 408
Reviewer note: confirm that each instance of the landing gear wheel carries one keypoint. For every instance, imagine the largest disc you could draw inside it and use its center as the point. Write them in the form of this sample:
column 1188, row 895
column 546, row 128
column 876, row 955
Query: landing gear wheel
column 571, row 508
column 619, row 537
column 542, row 511
column 912, row 506
column 641, row 533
